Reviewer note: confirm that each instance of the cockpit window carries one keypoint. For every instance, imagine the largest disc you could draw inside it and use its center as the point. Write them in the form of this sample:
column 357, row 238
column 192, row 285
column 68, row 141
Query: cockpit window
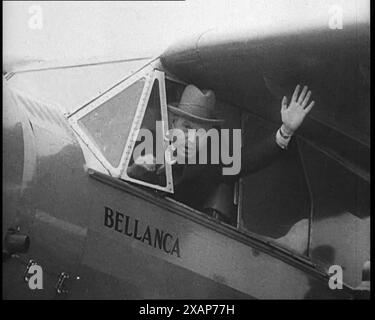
column 108, row 125
column 148, row 143
column 145, row 152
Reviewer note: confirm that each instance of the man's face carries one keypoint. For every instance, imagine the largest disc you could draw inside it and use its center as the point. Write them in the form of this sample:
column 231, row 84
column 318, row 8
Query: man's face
column 192, row 143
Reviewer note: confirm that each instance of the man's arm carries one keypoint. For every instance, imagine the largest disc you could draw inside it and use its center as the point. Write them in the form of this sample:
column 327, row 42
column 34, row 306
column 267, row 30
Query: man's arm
column 270, row 148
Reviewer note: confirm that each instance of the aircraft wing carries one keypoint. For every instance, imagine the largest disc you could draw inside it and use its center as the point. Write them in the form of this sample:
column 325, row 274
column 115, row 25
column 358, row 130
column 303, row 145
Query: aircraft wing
column 72, row 84
column 253, row 68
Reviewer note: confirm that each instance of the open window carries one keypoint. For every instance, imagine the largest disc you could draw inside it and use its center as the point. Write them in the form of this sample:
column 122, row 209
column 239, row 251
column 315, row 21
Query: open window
column 309, row 202
column 208, row 194
column 275, row 201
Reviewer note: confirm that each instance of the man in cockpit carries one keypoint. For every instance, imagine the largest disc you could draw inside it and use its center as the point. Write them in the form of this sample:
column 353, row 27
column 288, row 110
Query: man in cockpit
column 194, row 184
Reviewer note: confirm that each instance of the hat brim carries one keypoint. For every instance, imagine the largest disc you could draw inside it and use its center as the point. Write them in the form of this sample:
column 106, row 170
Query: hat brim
column 194, row 117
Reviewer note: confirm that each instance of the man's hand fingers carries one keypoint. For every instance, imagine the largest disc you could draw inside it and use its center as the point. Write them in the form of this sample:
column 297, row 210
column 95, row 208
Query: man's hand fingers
column 309, row 107
column 302, row 95
column 284, row 103
column 295, row 93
column 306, row 100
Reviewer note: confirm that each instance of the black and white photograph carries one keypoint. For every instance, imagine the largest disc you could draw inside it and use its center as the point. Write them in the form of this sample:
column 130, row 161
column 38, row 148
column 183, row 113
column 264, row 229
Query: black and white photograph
column 192, row 150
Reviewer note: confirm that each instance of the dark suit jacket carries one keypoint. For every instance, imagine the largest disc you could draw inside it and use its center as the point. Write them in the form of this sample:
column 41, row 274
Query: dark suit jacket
column 197, row 180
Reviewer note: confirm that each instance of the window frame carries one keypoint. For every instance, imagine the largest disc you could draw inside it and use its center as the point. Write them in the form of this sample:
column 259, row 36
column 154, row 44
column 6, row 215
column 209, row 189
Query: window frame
column 150, row 74
column 136, row 125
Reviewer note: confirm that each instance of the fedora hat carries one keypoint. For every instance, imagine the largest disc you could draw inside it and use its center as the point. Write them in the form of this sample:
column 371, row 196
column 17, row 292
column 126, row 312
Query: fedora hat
column 198, row 105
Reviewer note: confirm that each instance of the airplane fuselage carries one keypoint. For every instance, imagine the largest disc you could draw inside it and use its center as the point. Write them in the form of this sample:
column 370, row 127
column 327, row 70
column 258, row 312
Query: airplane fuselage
column 117, row 240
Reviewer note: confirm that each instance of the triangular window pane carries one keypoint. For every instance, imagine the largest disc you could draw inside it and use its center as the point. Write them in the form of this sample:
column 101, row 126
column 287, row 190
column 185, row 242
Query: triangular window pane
column 109, row 125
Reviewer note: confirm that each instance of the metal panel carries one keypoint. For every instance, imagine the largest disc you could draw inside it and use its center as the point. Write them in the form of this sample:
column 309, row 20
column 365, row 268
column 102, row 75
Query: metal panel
column 217, row 253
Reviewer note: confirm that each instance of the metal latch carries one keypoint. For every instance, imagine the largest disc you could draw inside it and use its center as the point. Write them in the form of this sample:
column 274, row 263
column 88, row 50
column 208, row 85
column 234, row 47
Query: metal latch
column 27, row 275
column 60, row 287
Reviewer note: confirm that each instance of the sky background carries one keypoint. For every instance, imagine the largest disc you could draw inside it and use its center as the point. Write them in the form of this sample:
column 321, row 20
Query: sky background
column 75, row 29
column 127, row 29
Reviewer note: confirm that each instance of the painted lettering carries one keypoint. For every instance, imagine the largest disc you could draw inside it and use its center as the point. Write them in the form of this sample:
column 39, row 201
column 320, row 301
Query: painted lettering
column 135, row 229
column 108, row 217
column 118, row 221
